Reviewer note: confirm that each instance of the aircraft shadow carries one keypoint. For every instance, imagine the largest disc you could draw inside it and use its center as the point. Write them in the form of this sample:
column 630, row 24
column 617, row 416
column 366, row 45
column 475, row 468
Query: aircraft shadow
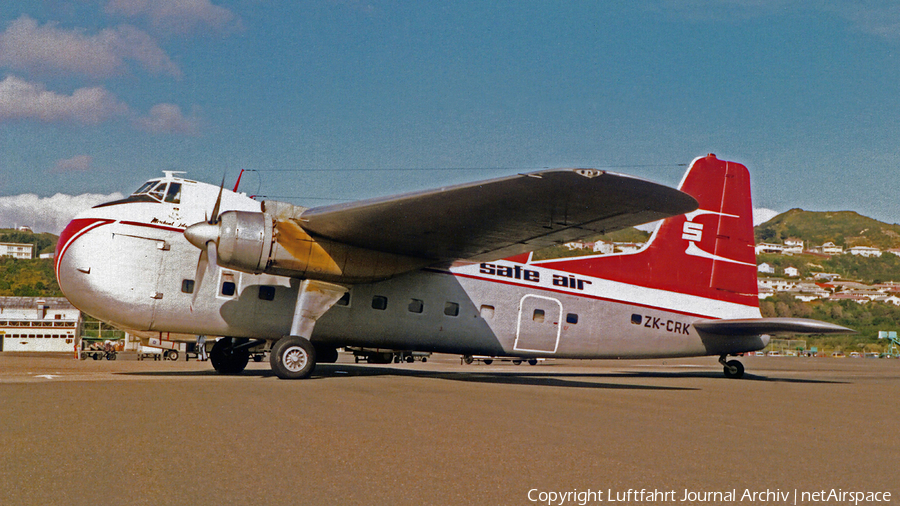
column 595, row 380
column 541, row 379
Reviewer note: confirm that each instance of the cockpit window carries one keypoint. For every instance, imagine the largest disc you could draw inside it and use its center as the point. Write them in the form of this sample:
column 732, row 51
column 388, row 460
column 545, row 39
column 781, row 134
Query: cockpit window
column 158, row 191
column 173, row 196
column 145, row 187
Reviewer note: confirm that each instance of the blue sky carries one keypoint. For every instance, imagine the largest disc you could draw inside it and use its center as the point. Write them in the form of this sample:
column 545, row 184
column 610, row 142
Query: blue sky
column 97, row 96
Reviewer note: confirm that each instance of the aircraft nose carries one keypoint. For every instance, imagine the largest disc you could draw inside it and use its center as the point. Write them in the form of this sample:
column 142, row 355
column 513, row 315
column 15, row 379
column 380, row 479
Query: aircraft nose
column 71, row 262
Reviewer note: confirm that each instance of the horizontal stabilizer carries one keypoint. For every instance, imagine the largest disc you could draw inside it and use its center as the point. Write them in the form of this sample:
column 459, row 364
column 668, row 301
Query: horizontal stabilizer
column 760, row 326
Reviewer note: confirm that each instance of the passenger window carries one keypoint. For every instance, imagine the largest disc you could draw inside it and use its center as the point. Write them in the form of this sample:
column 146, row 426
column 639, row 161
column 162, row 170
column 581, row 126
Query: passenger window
column 487, row 312
column 187, row 286
column 343, row 301
column 228, row 286
column 451, row 309
column 379, row 302
column 173, row 196
column 538, row 316
column 572, row 318
column 416, row 306
column 636, row 319
column 266, row 292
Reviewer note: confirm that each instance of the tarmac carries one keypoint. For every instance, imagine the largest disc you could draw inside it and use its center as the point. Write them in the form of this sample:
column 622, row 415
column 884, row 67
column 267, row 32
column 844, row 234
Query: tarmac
column 130, row 432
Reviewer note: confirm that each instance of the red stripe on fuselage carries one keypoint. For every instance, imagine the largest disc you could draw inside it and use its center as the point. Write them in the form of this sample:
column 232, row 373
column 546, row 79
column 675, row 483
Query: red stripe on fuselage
column 75, row 229
column 580, row 295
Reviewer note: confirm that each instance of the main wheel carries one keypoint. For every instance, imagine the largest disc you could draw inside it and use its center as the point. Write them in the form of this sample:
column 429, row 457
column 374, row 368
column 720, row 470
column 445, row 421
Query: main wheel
column 734, row 369
column 226, row 359
column 293, row 357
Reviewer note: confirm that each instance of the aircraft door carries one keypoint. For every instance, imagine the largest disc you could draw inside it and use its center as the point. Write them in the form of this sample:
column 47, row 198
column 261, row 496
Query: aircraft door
column 539, row 326
column 141, row 264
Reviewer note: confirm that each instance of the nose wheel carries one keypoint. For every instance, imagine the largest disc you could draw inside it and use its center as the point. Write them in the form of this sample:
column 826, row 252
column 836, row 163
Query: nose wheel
column 732, row 368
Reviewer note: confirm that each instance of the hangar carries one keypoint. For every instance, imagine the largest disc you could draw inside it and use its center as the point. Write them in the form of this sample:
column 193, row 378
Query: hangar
column 39, row 324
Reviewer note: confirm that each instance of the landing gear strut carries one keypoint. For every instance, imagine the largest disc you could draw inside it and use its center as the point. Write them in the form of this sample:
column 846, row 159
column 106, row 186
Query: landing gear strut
column 733, row 368
column 293, row 356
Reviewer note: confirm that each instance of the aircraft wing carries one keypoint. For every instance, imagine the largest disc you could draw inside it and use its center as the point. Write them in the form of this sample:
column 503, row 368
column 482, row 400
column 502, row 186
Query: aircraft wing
column 500, row 217
column 759, row 326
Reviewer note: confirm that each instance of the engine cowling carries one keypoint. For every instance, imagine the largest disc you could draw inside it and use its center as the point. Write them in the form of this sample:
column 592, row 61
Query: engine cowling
column 245, row 241
column 276, row 243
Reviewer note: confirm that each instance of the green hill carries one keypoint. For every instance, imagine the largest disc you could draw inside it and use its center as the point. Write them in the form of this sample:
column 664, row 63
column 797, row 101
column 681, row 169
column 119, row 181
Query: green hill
column 843, row 228
column 29, row 278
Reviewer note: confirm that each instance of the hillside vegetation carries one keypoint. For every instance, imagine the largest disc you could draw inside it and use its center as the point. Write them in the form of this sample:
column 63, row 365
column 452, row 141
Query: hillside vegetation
column 843, row 228
column 28, row 278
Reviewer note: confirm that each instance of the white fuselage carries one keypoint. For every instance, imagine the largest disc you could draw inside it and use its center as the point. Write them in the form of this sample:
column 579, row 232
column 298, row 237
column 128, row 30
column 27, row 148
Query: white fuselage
column 128, row 263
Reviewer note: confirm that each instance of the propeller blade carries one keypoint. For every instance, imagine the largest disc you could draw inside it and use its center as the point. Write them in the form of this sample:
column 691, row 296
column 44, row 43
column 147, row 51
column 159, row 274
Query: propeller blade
column 215, row 213
column 198, row 276
column 206, row 266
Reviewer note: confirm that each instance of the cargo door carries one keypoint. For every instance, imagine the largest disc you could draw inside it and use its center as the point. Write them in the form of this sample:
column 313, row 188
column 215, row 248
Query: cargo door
column 539, row 327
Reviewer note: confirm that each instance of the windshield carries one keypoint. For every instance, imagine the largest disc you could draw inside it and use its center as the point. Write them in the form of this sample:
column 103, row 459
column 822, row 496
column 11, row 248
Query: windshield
column 160, row 191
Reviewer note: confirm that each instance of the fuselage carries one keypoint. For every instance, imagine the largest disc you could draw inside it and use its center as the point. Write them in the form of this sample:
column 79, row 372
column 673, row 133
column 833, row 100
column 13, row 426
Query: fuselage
column 128, row 263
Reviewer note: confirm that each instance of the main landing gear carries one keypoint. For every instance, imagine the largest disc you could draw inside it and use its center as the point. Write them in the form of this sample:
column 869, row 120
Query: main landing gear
column 230, row 355
column 733, row 368
column 293, row 356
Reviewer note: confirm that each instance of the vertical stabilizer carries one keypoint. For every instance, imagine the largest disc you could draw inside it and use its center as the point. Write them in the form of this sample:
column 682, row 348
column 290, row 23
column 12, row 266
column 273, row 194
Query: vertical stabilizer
column 708, row 252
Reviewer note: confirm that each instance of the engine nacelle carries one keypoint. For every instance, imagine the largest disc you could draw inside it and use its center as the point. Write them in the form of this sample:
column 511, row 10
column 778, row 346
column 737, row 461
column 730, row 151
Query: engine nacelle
column 274, row 242
column 245, row 241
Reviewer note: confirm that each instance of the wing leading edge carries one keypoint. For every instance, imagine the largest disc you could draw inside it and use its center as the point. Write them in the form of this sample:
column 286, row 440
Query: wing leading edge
column 500, row 217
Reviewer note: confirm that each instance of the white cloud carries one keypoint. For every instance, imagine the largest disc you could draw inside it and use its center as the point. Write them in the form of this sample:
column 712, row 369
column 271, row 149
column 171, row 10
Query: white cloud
column 179, row 16
column 47, row 214
column 168, row 118
column 78, row 163
column 20, row 99
column 48, row 49
column 762, row 215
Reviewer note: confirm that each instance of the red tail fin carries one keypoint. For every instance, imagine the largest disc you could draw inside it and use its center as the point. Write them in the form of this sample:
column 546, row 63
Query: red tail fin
column 708, row 252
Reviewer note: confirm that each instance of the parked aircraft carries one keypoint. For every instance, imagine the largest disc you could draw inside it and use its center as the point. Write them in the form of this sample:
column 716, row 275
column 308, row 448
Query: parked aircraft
column 446, row 270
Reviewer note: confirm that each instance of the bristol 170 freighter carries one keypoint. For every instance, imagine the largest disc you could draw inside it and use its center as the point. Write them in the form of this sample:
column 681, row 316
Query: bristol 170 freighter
column 446, row 270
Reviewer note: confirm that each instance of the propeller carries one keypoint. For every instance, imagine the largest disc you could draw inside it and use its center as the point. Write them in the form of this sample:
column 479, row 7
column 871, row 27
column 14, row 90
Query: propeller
column 205, row 235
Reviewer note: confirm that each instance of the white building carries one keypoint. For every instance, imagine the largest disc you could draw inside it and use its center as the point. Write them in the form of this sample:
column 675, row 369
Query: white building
column 791, row 272
column 775, row 284
column 765, row 247
column 39, row 324
column 793, row 247
column 765, row 268
column 865, row 251
column 16, row 250
column 829, row 248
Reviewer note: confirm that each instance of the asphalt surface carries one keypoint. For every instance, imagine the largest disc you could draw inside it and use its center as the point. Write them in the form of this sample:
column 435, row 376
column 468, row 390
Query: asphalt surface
column 128, row 432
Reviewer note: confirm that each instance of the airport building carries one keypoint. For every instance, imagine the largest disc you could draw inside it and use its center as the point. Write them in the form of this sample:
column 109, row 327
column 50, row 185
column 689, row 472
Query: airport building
column 39, row 324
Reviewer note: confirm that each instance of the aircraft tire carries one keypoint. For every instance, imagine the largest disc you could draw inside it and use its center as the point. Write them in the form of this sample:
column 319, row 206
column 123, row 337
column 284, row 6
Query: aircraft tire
column 326, row 354
column 227, row 360
column 468, row 359
column 734, row 369
column 293, row 357
column 532, row 361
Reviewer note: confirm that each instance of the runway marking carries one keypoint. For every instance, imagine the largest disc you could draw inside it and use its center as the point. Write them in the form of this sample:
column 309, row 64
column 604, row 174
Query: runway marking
column 48, row 376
